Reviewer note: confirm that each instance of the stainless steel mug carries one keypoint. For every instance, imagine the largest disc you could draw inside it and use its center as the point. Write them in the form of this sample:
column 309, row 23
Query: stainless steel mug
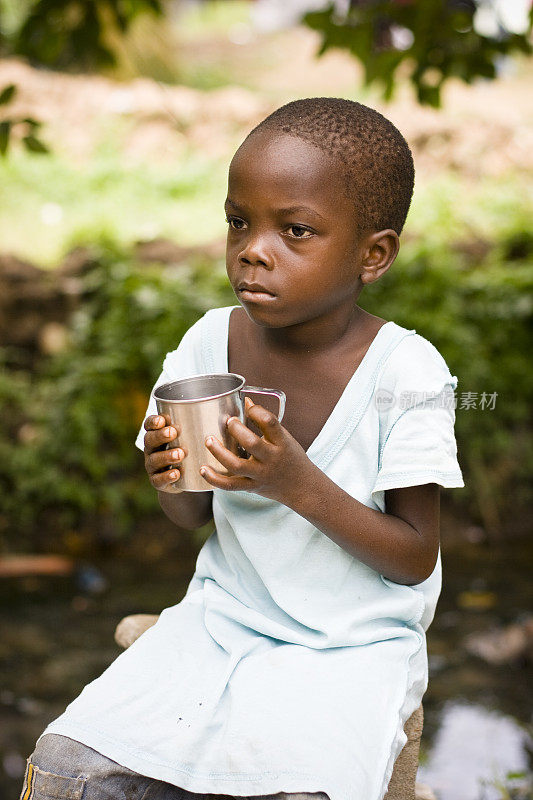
column 199, row 407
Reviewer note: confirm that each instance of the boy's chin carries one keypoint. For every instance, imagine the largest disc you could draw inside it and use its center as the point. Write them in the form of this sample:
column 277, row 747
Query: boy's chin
column 265, row 317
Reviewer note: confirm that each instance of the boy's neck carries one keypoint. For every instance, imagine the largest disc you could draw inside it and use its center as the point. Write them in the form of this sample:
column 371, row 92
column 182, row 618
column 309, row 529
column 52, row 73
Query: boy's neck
column 318, row 334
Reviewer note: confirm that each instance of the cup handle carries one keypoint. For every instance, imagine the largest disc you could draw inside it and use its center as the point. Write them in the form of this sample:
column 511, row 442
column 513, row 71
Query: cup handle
column 274, row 392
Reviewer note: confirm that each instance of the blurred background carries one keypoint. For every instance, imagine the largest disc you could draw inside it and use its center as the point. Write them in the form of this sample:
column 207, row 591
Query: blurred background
column 117, row 124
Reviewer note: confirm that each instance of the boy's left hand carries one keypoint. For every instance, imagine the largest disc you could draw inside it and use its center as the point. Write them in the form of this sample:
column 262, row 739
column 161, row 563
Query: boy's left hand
column 276, row 463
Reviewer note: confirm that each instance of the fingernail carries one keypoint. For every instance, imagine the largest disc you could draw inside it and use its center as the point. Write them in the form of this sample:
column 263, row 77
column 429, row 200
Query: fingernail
column 175, row 454
column 167, row 433
column 203, row 471
column 209, row 441
column 173, row 476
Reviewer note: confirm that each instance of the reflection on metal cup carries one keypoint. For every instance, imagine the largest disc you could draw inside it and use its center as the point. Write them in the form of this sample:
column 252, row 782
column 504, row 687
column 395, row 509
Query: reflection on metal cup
column 199, row 407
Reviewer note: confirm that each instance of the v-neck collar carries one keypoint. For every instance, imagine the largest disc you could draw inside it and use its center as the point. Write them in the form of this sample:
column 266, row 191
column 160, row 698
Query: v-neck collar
column 354, row 399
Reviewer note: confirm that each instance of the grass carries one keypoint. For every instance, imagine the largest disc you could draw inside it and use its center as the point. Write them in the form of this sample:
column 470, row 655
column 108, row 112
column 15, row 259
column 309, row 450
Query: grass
column 49, row 204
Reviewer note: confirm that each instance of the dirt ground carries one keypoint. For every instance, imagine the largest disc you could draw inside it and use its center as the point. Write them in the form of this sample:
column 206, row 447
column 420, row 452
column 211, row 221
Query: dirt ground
column 481, row 130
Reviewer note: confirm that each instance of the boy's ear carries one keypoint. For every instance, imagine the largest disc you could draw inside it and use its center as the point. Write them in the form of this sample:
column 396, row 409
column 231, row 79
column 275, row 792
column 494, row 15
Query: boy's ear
column 379, row 251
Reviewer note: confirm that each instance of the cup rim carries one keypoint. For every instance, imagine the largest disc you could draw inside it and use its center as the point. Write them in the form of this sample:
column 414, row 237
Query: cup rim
column 191, row 378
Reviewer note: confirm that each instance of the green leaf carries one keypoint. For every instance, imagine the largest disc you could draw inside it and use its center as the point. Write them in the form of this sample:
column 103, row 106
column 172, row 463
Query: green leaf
column 428, row 95
column 7, row 94
column 5, row 130
column 35, row 145
column 33, row 123
column 443, row 37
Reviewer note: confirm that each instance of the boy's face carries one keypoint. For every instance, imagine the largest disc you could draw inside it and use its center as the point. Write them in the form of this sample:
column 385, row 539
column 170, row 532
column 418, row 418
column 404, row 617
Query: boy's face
column 293, row 252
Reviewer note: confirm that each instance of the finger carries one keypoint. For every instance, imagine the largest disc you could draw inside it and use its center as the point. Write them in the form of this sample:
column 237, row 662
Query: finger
column 252, row 443
column 166, row 481
column 154, row 422
column 232, row 462
column 231, row 483
column 267, row 422
column 158, row 438
column 163, row 459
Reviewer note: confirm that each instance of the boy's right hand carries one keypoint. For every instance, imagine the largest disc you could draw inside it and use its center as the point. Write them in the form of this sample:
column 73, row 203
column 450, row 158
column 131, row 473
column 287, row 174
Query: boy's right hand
column 160, row 463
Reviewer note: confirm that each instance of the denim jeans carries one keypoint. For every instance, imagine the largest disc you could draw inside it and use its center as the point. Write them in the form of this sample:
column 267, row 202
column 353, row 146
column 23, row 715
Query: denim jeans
column 62, row 769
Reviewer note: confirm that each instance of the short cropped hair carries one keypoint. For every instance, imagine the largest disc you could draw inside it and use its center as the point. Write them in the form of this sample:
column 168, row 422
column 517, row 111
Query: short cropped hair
column 376, row 159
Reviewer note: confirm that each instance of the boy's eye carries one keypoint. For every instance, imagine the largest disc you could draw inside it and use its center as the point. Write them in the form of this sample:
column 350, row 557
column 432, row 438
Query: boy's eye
column 236, row 223
column 300, row 232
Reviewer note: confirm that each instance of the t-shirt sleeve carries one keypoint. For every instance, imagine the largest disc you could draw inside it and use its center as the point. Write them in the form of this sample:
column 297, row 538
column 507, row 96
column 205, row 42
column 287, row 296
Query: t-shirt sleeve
column 417, row 416
column 183, row 362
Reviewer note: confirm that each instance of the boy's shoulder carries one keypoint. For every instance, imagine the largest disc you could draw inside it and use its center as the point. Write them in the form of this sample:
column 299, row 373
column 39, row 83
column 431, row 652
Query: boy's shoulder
column 415, row 365
column 197, row 344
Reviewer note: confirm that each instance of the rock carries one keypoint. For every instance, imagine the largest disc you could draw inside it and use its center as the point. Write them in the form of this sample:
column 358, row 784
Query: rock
column 163, row 251
column 36, row 304
column 20, row 566
column 29, row 298
column 423, row 792
column 502, row 645
column 130, row 628
column 16, row 271
column 77, row 263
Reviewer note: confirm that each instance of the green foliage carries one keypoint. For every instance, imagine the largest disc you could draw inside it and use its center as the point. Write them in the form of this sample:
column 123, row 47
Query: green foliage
column 28, row 125
column 432, row 40
column 77, row 33
column 75, row 421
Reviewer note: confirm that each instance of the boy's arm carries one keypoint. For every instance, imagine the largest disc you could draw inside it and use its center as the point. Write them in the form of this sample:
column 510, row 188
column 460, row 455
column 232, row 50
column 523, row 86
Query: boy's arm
column 401, row 544
column 189, row 510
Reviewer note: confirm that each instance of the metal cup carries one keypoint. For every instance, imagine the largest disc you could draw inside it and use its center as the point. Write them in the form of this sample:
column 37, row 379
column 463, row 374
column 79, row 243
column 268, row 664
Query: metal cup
column 199, row 407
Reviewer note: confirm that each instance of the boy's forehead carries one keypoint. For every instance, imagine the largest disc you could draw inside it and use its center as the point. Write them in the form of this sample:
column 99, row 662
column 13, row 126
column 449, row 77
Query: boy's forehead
column 285, row 164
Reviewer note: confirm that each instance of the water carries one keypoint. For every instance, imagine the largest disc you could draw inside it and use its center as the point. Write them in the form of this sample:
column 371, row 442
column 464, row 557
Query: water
column 57, row 635
column 475, row 754
column 478, row 717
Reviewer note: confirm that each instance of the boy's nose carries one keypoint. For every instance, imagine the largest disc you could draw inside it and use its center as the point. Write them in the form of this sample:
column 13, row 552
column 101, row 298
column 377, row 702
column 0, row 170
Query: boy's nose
column 256, row 254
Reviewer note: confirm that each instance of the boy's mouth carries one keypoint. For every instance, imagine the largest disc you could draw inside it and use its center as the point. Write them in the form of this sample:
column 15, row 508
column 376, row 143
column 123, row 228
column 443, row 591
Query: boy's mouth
column 253, row 291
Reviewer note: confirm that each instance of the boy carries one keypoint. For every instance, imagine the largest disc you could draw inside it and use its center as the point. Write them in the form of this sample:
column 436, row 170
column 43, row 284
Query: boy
column 298, row 652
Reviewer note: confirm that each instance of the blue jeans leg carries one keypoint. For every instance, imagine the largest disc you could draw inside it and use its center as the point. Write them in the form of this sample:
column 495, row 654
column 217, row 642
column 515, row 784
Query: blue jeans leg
column 63, row 769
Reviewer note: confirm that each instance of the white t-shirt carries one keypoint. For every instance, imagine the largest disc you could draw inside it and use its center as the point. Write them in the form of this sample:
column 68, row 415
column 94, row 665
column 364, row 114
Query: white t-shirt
column 289, row 665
